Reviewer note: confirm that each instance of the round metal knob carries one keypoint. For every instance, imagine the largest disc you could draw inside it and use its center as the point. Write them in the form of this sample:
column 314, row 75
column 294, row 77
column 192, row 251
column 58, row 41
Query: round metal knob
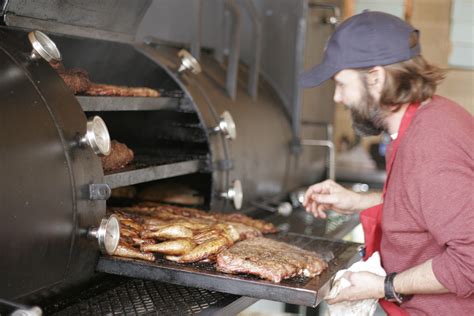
column 226, row 126
column 97, row 136
column 285, row 209
column 235, row 194
column 34, row 311
column 43, row 47
column 108, row 234
column 188, row 62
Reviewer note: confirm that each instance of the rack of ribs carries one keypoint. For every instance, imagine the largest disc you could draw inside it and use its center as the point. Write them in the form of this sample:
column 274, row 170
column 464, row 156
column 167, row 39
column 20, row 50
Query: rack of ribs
column 269, row 259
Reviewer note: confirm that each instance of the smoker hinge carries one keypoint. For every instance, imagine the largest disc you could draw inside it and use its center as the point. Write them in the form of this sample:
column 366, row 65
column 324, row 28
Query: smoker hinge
column 99, row 191
column 224, row 164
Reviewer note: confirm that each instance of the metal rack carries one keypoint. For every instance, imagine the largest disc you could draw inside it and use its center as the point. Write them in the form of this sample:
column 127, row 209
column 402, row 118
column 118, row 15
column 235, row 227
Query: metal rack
column 97, row 103
column 126, row 296
column 132, row 175
column 299, row 290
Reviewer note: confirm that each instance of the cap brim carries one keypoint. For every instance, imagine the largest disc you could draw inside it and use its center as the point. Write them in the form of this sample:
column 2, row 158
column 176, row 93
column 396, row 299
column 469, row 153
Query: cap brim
column 317, row 75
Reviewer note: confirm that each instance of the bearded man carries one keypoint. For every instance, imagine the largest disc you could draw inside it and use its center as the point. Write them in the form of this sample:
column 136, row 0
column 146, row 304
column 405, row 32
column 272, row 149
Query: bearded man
column 423, row 222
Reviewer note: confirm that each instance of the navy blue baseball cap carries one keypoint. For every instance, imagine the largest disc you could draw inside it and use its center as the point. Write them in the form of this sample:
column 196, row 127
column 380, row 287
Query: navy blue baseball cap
column 365, row 40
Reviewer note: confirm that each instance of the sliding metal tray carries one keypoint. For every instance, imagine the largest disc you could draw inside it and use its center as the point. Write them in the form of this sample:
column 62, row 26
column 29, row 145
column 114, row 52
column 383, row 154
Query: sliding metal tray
column 138, row 172
column 100, row 103
column 299, row 290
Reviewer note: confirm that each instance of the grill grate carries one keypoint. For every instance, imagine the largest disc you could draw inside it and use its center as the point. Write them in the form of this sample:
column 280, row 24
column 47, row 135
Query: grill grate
column 127, row 296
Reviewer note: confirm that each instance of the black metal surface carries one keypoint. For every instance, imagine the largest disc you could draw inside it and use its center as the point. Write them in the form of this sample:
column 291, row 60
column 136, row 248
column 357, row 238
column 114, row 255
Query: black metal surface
column 89, row 103
column 128, row 296
column 299, row 290
column 45, row 176
column 139, row 173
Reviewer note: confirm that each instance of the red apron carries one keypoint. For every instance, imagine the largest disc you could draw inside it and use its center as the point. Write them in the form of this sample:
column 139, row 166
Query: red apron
column 371, row 218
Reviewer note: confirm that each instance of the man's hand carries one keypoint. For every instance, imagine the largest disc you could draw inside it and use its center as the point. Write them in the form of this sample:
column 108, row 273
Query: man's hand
column 329, row 195
column 365, row 285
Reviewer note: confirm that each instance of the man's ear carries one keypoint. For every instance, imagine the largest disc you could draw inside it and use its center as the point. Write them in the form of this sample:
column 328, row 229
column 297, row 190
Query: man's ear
column 376, row 79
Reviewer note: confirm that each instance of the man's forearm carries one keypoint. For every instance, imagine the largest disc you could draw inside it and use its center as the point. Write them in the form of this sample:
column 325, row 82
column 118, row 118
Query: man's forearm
column 418, row 280
column 367, row 200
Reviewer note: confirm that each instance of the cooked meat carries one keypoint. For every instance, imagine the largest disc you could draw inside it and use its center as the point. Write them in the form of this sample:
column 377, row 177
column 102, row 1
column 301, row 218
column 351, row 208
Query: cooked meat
column 186, row 234
column 202, row 251
column 166, row 212
column 245, row 232
column 131, row 224
column 262, row 226
column 168, row 232
column 175, row 247
column 136, row 241
column 128, row 232
column 219, row 230
column 77, row 79
column 269, row 259
column 58, row 66
column 120, row 155
column 122, row 91
column 129, row 192
column 191, row 223
column 171, row 192
column 127, row 251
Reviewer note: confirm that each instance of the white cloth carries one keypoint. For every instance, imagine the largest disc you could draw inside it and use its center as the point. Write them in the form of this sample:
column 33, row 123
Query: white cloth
column 353, row 308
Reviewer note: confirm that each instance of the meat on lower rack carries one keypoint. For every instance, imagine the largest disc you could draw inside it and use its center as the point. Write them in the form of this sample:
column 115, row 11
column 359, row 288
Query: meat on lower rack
column 96, row 89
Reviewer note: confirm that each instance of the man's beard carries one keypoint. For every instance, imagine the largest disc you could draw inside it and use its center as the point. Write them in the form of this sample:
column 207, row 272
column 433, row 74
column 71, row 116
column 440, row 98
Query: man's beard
column 367, row 115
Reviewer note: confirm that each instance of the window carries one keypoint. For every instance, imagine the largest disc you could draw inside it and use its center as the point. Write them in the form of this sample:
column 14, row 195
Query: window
column 462, row 34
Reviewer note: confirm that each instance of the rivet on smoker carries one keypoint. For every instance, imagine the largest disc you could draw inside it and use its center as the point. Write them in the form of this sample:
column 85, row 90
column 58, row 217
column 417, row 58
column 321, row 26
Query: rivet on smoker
column 188, row 62
column 226, row 126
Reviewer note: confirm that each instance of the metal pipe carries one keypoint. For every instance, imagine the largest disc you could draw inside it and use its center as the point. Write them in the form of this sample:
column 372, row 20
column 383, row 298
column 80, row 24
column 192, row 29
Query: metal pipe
column 332, row 159
column 298, row 69
column 254, row 66
column 234, row 49
column 196, row 38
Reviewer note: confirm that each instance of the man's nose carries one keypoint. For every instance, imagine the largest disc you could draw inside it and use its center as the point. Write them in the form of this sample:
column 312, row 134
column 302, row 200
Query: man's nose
column 337, row 96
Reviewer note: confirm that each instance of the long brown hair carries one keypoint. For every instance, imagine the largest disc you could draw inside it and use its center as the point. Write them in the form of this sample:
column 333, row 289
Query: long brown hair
column 413, row 80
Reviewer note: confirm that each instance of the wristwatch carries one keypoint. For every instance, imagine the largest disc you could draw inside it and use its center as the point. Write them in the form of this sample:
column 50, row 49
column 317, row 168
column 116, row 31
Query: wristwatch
column 390, row 294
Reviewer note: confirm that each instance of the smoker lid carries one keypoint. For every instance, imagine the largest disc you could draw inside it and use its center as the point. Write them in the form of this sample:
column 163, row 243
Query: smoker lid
column 115, row 20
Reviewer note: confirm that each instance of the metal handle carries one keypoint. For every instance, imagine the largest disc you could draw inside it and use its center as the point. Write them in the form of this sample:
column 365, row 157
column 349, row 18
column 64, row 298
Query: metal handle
column 234, row 194
column 107, row 234
column 97, row 136
column 188, row 62
column 330, row 145
column 325, row 143
column 226, row 126
column 43, row 47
